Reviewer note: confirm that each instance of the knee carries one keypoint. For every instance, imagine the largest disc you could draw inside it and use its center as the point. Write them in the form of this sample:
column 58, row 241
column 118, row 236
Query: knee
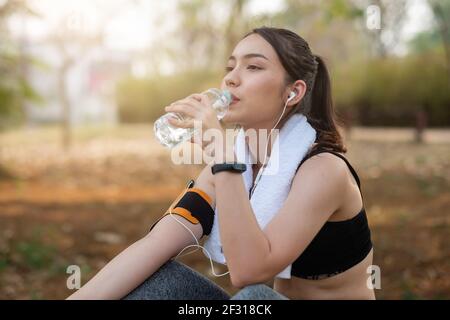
column 162, row 284
column 172, row 273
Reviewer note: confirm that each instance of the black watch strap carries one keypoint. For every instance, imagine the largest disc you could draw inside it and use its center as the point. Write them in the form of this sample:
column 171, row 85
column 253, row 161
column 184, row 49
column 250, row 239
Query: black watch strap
column 233, row 167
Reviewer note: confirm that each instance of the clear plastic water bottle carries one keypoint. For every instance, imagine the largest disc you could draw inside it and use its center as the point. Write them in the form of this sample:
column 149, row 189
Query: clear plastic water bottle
column 170, row 136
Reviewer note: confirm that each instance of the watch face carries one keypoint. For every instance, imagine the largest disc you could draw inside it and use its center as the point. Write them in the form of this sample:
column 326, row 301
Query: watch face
column 237, row 167
column 240, row 167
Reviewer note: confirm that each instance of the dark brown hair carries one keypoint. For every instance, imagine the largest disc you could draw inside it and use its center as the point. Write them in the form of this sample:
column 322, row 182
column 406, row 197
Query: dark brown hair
column 317, row 104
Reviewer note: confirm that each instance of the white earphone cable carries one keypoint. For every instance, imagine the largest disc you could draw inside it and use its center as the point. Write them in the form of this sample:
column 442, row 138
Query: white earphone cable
column 258, row 177
column 197, row 245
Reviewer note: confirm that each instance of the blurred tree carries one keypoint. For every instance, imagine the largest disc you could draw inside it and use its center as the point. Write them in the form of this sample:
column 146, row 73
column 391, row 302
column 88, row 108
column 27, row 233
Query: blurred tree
column 206, row 29
column 425, row 41
column 14, row 88
column 210, row 29
column 441, row 11
column 235, row 26
column 195, row 38
column 73, row 42
column 393, row 14
column 71, row 46
column 333, row 30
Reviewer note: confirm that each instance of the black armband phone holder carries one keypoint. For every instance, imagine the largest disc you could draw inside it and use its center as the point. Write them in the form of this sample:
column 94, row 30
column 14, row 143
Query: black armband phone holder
column 194, row 205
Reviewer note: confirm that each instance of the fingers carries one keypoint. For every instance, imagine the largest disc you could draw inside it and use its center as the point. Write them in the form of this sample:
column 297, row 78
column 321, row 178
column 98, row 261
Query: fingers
column 199, row 97
column 203, row 98
column 191, row 108
column 182, row 108
column 196, row 97
column 186, row 123
column 192, row 100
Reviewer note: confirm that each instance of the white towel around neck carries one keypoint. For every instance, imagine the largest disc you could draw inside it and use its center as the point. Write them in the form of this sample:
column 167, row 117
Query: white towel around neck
column 290, row 147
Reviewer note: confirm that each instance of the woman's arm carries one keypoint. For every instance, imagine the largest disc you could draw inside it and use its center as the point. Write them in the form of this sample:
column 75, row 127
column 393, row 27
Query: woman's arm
column 140, row 260
column 256, row 255
column 144, row 257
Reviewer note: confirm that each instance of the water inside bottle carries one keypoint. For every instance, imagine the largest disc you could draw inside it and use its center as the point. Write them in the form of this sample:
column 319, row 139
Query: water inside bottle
column 170, row 136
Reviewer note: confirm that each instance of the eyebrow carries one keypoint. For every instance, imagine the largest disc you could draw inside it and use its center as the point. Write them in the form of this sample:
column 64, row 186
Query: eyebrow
column 249, row 55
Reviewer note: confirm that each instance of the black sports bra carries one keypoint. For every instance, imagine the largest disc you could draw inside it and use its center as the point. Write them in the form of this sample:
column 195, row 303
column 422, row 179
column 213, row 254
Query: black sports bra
column 338, row 246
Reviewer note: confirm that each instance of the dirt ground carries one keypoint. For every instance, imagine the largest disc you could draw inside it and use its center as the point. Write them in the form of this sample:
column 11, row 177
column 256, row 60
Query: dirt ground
column 85, row 205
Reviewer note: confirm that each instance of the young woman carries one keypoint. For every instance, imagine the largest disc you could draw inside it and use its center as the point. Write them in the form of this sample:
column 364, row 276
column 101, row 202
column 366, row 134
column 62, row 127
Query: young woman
column 321, row 229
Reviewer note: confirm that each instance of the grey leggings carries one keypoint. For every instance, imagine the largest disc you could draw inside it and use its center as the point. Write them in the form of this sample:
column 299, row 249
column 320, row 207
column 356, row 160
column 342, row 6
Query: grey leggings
column 176, row 281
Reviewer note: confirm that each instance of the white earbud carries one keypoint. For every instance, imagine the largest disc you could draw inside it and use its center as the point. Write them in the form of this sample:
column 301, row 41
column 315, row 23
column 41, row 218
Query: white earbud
column 291, row 96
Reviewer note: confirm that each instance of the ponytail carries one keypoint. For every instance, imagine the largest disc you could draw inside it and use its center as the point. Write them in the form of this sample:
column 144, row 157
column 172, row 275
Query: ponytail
column 322, row 116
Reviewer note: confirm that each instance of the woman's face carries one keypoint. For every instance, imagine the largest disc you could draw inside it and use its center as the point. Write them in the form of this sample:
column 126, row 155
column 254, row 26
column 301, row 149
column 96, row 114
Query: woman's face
column 255, row 75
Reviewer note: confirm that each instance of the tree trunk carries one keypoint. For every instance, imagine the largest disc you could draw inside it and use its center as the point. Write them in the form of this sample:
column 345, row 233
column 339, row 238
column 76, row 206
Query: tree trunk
column 232, row 31
column 421, row 124
column 66, row 129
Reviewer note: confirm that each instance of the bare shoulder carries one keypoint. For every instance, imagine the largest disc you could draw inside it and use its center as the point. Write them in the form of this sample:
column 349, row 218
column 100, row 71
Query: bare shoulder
column 322, row 176
column 324, row 164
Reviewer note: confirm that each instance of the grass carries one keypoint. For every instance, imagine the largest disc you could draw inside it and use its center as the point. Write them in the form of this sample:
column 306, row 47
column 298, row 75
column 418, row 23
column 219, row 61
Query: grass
column 35, row 255
column 3, row 263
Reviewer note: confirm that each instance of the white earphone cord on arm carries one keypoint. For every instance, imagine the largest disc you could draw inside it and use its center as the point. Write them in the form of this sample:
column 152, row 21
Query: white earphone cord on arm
column 197, row 245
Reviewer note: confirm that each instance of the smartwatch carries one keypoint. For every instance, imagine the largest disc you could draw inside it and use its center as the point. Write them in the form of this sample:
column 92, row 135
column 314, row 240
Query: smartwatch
column 233, row 167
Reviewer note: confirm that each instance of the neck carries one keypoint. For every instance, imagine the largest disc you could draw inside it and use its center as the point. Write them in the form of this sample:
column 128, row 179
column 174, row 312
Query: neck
column 267, row 126
column 257, row 146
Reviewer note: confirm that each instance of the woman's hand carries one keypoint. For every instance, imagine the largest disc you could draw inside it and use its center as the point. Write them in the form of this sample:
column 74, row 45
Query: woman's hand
column 197, row 107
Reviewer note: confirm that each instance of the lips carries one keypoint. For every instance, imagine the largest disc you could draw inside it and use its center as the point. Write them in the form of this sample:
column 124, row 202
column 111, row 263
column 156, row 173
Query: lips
column 234, row 99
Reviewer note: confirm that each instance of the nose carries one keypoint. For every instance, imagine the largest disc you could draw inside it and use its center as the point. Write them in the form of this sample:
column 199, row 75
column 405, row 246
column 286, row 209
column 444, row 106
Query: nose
column 231, row 79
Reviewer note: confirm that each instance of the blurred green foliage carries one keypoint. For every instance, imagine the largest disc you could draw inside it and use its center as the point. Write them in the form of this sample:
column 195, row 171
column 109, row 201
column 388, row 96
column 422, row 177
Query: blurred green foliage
column 389, row 91
column 142, row 100
column 14, row 86
column 384, row 91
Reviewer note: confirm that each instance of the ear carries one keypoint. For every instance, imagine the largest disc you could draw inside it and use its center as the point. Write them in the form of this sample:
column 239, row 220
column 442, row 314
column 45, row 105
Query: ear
column 299, row 87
